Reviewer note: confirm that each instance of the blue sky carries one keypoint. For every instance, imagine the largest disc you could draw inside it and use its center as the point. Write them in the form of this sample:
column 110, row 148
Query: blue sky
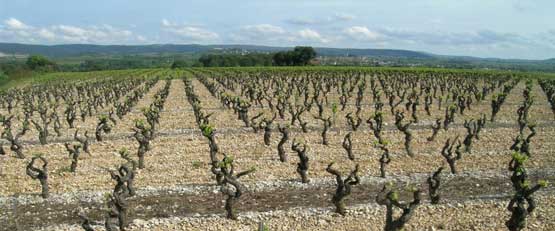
column 484, row 28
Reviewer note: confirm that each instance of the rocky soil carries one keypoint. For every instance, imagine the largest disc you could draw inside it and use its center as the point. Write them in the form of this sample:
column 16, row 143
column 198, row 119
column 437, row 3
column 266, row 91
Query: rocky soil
column 178, row 166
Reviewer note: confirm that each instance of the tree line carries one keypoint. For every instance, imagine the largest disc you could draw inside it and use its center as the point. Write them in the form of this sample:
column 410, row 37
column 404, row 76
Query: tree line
column 300, row 56
column 13, row 69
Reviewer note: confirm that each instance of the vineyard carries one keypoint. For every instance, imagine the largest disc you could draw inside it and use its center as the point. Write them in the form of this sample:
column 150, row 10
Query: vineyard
column 310, row 148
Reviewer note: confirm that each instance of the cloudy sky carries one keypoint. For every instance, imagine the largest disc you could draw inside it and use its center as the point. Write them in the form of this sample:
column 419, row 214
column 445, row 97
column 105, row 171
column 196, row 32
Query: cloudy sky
column 484, row 28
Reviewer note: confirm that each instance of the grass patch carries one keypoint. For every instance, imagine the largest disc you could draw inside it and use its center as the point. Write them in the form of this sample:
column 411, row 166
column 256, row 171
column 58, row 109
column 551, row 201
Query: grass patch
column 27, row 78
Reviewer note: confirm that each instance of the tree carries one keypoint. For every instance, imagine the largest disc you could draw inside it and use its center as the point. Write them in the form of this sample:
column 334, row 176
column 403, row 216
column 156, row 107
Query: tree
column 40, row 63
column 303, row 55
column 280, row 58
column 300, row 56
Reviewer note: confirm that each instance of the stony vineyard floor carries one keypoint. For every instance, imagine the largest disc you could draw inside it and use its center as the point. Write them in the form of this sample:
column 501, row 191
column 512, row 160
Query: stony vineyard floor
column 179, row 165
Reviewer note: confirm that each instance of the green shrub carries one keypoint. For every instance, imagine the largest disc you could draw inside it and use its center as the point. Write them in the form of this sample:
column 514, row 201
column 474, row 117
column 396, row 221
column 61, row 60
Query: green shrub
column 196, row 164
column 3, row 77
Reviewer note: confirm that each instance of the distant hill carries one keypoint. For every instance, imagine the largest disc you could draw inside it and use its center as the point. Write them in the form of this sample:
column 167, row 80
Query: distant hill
column 71, row 50
column 340, row 56
column 390, row 53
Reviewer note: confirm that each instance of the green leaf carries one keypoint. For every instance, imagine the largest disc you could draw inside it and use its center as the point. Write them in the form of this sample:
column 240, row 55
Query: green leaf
column 394, row 196
column 519, row 157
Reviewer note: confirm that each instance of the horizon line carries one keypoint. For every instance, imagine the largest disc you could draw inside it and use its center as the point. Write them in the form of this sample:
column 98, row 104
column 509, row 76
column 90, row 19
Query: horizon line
column 270, row 46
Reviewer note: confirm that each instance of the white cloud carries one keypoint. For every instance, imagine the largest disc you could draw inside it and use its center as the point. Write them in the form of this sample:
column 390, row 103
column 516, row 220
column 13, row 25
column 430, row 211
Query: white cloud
column 47, row 34
column 268, row 34
column 336, row 18
column 141, row 38
column 328, row 32
column 475, row 42
column 263, row 29
column 71, row 31
column 194, row 33
column 479, row 37
column 94, row 34
column 362, row 33
column 17, row 31
column 191, row 33
column 15, row 24
column 311, row 35
column 260, row 34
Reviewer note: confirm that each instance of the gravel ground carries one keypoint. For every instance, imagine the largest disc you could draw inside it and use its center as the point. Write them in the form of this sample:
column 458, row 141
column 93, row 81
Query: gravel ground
column 262, row 186
column 262, row 196
column 468, row 215
column 179, row 163
column 181, row 158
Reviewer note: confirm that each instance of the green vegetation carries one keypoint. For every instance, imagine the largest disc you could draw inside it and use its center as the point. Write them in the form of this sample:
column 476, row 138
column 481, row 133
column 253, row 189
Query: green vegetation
column 440, row 62
column 235, row 60
column 183, row 64
column 40, row 63
column 21, row 77
column 97, row 57
column 300, row 56
column 3, row 78
column 196, row 164
column 35, row 78
column 98, row 63
column 14, row 71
